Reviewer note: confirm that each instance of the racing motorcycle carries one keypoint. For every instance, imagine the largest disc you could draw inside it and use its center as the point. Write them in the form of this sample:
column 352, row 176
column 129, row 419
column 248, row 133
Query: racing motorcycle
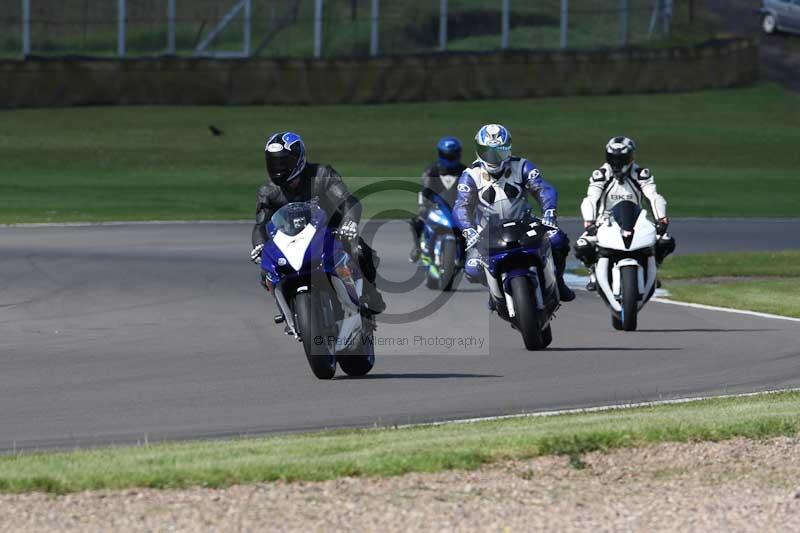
column 520, row 272
column 318, row 287
column 626, row 267
column 442, row 247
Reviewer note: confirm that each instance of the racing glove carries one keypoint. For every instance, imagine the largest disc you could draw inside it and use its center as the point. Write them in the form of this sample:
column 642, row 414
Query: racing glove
column 662, row 225
column 255, row 254
column 348, row 230
column 549, row 218
column 471, row 236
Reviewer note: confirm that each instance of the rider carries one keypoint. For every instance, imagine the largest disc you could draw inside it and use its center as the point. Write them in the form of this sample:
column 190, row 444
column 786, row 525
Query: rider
column 293, row 179
column 495, row 176
column 439, row 179
column 618, row 180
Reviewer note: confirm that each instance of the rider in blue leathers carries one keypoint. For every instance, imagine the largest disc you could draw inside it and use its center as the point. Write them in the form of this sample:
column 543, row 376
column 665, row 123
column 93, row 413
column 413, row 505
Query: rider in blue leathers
column 496, row 176
column 438, row 181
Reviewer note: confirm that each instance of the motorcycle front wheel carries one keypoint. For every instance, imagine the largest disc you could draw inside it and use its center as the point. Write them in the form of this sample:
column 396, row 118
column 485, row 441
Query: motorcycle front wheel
column 630, row 297
column 309, row 322
column 448, row 268
column 527, row 315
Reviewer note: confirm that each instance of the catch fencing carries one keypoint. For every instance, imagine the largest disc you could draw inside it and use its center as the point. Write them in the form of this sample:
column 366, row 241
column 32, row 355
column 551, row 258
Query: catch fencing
column 325, row 28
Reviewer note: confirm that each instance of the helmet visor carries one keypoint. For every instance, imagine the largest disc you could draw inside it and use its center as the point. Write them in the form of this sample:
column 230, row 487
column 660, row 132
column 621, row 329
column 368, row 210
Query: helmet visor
column 494, row 155
column 618, row 162
column 454, row 155
column 280, row 166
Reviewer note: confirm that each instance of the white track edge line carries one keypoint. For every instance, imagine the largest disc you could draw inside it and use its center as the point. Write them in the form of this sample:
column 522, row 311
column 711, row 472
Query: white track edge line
column 726, row 310
column 598, row 409
column 578, row 282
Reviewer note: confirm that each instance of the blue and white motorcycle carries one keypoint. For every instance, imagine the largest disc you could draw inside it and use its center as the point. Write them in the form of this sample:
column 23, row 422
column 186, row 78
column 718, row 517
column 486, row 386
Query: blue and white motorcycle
column 442, row 247
column 520, row 272
column 318, row 288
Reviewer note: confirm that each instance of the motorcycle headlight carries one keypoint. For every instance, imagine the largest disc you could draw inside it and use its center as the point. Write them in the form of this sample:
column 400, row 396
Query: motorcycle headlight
column 437, row 218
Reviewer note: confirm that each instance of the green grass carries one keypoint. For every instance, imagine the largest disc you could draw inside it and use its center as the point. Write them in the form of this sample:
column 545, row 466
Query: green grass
column 127, row 163
column 739, row 264
column 779, row 297
column 389, row 452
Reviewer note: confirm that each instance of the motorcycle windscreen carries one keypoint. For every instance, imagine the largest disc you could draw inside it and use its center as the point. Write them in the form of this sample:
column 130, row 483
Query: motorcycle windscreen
column 626, row 214
column 293, row 218
column 505, row 225
column 503, row 211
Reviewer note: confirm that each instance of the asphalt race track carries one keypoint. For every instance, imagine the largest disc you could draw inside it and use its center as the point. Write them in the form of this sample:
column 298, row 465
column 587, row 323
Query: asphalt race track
column 114, row 334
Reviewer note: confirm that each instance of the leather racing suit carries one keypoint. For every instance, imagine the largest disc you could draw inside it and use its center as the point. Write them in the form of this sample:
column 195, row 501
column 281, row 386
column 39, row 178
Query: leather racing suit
column 478, row 192
column 436, row 182
column 322, row 184
column 605, row 191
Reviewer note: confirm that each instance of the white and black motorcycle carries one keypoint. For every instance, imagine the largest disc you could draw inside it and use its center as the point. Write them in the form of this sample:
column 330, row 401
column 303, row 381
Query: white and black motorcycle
column 626, row 265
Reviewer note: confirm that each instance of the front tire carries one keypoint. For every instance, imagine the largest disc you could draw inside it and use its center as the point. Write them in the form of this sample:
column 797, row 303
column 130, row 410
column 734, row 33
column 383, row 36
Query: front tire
column 527, row 316
column 769, row 24
column 308, row 319
column 630, row 297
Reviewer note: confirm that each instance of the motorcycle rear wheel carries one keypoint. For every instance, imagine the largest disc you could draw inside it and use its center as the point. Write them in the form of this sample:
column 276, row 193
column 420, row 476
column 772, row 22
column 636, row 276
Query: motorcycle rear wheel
column 360, row 359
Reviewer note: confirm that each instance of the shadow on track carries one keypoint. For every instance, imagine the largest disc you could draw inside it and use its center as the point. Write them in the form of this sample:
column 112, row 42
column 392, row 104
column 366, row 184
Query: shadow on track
column 701, row 330
column 422, row 376
column 611, row 349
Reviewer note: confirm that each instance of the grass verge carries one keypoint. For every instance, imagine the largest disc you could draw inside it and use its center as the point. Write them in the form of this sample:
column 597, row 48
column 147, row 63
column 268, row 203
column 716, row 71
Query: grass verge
column 735, row 265
column 138, row 163
column 778, row 297
column 388, row 452
column 727, row 280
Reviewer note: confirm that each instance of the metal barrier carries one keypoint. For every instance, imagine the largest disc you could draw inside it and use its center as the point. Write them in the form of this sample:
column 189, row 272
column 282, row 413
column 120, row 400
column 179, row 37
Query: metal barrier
column 323, row 28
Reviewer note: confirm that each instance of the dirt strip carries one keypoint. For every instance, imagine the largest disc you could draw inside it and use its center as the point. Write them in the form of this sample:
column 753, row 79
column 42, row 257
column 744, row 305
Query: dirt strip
column 737, row 485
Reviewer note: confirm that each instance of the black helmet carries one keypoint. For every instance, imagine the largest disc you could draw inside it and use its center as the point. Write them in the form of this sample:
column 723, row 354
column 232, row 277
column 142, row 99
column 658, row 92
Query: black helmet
column 285, row 153
column 620, row 154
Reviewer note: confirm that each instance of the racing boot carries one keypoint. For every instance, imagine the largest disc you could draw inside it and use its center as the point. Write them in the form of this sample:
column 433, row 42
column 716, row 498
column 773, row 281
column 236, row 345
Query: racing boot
column 417, row 225
column 371, row 300
column 413, row 255
column 566, row 294
column 591, row 286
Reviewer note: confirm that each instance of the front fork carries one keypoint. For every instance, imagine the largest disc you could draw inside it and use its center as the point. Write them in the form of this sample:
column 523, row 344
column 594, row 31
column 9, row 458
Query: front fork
column 288, row 314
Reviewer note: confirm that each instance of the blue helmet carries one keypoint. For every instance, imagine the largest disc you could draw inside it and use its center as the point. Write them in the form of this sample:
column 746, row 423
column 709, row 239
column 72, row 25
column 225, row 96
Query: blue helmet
column 285, row 153
column 449, row 149
column 493, row 147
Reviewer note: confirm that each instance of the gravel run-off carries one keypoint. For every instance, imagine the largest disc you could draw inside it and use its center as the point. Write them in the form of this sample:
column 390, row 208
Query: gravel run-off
column 736, row 485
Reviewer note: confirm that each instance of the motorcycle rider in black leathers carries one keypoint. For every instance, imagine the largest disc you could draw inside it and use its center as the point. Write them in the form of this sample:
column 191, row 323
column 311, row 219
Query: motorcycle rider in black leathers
column 439, row 180
column 293, row 179
column 621, row 179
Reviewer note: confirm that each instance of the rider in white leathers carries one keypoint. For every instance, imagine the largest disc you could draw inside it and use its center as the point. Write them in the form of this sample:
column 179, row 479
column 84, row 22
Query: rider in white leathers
column 621, row 179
